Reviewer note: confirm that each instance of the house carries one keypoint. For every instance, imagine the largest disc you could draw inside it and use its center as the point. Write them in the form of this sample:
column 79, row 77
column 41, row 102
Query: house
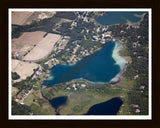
column 122, row 31
column 16, row 53
column 46, row 62
column 85, row 19
column 73, row 85
column 95, row 37
column 114, row 40
column 137, row 110
column 142, row 87
column 74, row 24
column 136, row 76
column 98, row 29
column 134, row 53
column 135, row 105
column 68, row 88
column 134, row 44
column 19, row 96
column 66, row 37
column 87, row 30
column 107, row 34
column 83, row 85
column 104, row 28
column 139, row 57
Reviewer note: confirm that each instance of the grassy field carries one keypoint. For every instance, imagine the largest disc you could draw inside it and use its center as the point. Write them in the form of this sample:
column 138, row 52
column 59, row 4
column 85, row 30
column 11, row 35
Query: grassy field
column 80, row 100
column 29, row 99
column 124, row 52
column 14, row 91
column 38, row 104
column 126, row 86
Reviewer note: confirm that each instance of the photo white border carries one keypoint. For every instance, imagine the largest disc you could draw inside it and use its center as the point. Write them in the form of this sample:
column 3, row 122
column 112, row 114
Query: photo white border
column 78, row 117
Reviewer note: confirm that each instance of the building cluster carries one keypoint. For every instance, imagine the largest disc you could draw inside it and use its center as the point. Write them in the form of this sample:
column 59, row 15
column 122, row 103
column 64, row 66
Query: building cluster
column 102, row 38
column 136, row 44
column 85, row 52
column 16, row 54
column 52, row 61
column 82, row 16
column 76, row 86
column 38, row 72
column 22, row 95
column 136, row 106
column 61, row 44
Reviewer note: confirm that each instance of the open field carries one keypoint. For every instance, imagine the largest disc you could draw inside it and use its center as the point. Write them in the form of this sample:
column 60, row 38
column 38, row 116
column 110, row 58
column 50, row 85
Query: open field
column 43, row 48
column 24, row 69
column 26, row 17
column 14, row 91
column 80, row 100
column 20, row 18
column 38, row 104
column 26, row 42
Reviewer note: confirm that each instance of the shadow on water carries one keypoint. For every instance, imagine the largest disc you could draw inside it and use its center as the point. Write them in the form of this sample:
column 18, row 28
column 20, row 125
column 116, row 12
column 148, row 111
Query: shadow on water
column 57, row 102
column 110, row 107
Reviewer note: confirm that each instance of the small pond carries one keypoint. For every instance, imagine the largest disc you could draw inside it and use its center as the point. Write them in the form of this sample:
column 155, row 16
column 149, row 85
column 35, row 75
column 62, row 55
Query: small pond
column 110, row 107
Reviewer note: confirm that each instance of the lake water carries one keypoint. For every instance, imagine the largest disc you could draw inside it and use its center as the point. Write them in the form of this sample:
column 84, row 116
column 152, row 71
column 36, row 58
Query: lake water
column 110, row 107
column 101, row 68
column 58, row 101
column 118, row 17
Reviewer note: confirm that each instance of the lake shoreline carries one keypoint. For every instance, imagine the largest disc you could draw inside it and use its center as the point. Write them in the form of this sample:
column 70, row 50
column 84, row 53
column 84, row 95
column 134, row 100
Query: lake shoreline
column 120, row 60
column 118, row 46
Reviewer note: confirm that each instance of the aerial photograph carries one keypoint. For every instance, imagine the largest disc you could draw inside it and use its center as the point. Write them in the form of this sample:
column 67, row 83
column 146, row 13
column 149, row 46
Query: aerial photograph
column 79, row 63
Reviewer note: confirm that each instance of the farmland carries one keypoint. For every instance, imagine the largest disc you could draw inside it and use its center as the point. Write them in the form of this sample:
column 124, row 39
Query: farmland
column 20, row 18
column 26, row 42
column 24, row 69
column 23, row 18
column 43, row 48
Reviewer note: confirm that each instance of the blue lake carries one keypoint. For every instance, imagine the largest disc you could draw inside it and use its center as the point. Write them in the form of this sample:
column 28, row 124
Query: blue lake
column 58, row 101
column 99, row 67
column 110, row 107
column 118, row 17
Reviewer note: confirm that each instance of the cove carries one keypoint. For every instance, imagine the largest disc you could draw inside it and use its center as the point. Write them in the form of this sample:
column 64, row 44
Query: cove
column 119, row 17
column 110, row 107
column 102, row 68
